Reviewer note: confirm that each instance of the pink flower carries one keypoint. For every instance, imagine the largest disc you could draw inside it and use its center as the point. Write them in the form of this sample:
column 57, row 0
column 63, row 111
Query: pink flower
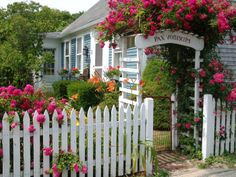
column 212, row 82
column 218, row 78
column 0, row 125
column 63, row 100
column 188, row 125
column 41, row 118
column 55, row 171
column 60, row 118
column 1, row 152
column 29, row 89
column 197, row 119
column 52, row 106
column 178, row 125
column 84, row 169
column 14, row 124
column 48, row 151
column 202, row 73
column 189, row 17
column 31, row 129
column 102, row 44
column 13, row 103
column 76, row 167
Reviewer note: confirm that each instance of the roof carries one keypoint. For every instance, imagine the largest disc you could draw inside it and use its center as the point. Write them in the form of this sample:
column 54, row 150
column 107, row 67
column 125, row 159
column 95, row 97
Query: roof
column 93, row 16
column 52, row 35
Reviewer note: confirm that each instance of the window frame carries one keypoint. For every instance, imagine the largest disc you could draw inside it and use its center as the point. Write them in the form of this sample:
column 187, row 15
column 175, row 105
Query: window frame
column 79, row 54
column 51, row 69
column 67, row 56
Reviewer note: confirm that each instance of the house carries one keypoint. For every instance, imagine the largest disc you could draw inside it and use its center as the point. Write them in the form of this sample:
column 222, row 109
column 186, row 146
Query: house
column 76, row 46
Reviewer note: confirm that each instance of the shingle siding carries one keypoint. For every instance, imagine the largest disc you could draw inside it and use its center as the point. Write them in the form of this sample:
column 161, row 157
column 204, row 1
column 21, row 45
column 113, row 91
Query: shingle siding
column 62, row 55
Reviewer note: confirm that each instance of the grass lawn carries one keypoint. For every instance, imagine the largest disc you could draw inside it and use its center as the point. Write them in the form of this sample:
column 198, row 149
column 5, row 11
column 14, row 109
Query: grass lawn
column 161, row 140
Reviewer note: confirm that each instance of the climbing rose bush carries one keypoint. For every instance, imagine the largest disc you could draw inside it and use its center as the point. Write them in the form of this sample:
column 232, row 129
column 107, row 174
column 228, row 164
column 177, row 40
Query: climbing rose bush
column 211, row 19
column 28, row 99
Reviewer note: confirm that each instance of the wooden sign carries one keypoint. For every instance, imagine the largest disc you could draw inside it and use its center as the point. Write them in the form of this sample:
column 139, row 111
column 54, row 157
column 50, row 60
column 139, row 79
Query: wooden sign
column 169, row 37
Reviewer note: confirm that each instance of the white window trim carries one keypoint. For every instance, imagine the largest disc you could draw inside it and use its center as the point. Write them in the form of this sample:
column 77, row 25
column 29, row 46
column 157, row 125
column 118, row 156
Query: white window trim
column 82, row 56
column 65, row 56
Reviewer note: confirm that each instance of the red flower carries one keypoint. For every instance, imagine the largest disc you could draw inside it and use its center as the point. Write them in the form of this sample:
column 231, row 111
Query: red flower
column 218, row 78
column 31, row 129
column 188, row 125
column 197, row 119
column 48, row 151
column 84, row 169
column 202, row 73
column 41, row 118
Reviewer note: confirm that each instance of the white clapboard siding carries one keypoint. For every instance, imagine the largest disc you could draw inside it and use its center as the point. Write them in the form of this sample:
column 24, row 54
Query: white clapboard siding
column 113, row 141
column 90, row 142
column 106, row 143
column 26, row 143
column 81, row 137
column 36, row 146
column 16, row 147
column 73, row 138
column 99, row 142
column 46, row 144
column 121, row 141
column 128, row 141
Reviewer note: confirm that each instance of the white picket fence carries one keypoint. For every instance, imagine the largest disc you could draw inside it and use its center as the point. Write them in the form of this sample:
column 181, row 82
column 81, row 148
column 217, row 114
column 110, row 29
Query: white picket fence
column 218, row 134
column 100, row 142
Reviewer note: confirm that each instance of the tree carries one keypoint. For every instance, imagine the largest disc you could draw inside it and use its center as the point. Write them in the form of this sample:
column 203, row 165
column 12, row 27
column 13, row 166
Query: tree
column 21, row 38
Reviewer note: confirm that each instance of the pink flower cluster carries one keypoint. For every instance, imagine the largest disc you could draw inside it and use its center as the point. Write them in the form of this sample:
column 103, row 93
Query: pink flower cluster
column 147, row 16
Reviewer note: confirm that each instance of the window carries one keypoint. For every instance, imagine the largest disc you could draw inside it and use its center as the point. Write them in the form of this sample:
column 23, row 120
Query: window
column 130, row 42
column 79, row 54
column 49, row 67
column 67, row 55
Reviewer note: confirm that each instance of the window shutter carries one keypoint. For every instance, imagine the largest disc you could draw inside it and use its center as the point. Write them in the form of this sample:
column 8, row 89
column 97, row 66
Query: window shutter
column 73, row 52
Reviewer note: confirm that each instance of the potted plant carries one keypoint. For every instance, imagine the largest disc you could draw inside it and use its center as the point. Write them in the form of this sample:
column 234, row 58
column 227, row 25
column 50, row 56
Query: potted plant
column 113, row 73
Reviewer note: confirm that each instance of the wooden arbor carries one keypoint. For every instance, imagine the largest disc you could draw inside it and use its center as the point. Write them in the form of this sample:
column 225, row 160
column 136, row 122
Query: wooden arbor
column 182, row 38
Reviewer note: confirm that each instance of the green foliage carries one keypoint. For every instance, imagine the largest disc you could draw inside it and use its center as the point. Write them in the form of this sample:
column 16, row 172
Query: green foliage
column 110, row 99
column 21, row 38
column 158, row 83
column 86, row 95
column 60, row 88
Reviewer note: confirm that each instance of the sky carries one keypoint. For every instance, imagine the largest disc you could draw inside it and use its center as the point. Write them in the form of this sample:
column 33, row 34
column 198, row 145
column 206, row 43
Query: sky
column 72, row 6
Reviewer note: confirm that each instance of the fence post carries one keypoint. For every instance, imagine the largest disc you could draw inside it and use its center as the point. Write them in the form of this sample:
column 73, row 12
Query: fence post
column 208, row 127
column 174, row 132
column 149, row 131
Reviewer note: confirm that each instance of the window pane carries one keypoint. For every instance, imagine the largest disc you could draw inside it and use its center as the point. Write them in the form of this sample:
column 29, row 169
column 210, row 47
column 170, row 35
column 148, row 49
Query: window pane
column 79, row 62
column 99, row 51
column 67, row 48
column 79, row 45
column 67, row 62
column 130, row 42
column 48, row 68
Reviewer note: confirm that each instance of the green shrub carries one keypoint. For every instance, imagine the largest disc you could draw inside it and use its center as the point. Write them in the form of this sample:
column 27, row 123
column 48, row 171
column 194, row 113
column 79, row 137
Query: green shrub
column 60, row 88
column 109, row 100
column 86, row 95
column 158, row 83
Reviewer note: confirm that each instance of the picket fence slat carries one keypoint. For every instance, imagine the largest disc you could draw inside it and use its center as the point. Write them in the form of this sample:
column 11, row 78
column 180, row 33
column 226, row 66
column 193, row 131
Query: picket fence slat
column 36, row 146
column 73, row 138
column 108, row 143
column 121, row 141
column 46, row 144
column 228, row 120
column 26, row 143
column 6, row 146
column 135, row 138
column 98, row 142
column 142, row 136
column 81, row 138
column 223, row 118
column 55, row 133
column 16, row 147
column 218, row 118
column 90, row 142
column 113, row 142
column 128, row 141
column 232, row 148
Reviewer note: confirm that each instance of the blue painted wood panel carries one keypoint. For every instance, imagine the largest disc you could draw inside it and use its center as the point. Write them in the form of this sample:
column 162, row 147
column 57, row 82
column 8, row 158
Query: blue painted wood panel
column 87, row 42
column 73, row 52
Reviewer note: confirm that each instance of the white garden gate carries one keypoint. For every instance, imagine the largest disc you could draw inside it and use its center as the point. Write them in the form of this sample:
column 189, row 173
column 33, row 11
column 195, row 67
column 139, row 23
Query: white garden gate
column 107, row 143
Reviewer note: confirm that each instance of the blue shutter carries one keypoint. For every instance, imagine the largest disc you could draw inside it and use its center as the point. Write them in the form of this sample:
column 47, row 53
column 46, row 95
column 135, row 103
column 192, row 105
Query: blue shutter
column 62, row 55
column 132, row 52
column 110, row 56
column 87, row 42
column 73, row 52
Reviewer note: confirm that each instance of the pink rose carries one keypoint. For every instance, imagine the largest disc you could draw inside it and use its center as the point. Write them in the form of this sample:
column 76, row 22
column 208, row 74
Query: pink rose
column 1, row 152
column 84, row 169
column 202, row 73
column 48, row 151
column 29, row 89
column 14, row 124
column 197, row 119
column 31, row 129
column 76, row 167
column 218, row 78
column 188, row 125
column 41, row 118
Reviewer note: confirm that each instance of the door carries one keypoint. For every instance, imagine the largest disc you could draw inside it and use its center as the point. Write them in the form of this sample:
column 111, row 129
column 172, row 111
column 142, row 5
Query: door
column 98, row 61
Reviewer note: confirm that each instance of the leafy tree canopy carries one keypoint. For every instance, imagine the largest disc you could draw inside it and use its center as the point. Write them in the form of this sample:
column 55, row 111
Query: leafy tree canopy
column 21, row 37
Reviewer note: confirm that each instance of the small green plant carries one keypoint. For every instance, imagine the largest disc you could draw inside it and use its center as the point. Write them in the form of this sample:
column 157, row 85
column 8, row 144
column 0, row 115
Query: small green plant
column 113, row 72
column 60, row 88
